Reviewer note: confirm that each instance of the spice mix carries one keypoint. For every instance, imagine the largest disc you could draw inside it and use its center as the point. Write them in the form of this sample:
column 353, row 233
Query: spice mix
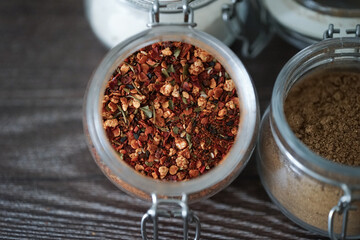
column 171, row 111
column 322, row 109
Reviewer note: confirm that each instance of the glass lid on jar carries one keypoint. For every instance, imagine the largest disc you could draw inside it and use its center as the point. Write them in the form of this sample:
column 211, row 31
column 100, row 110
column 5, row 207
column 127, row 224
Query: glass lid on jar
column 348, row 8
column 302, row 22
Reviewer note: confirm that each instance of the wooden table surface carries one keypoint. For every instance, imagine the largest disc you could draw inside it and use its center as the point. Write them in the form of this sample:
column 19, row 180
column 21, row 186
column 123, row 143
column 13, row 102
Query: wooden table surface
column 50, row 187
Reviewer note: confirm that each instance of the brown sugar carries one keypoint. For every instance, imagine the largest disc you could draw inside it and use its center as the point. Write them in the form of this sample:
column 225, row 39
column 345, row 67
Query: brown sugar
column 323, row 110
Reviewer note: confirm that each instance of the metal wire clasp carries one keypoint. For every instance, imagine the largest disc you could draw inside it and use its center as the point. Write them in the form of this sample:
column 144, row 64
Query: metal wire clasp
column 342, row 208
column 356, row 31
column 329, row 33
column 186, row 9
column 155, row 211
column 243, row 30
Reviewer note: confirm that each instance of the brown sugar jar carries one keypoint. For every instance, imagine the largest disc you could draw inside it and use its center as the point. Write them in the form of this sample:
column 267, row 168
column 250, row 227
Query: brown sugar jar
column 162, row 193
column 301, row 171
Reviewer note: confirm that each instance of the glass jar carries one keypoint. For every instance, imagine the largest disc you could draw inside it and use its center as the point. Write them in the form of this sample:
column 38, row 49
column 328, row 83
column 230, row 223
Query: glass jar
column 318, row 194
column 129, row 180
column 313, row 15
column 114, row 21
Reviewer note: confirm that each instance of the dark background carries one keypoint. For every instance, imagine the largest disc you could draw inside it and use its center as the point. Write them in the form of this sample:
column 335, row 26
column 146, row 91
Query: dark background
column 50, row 187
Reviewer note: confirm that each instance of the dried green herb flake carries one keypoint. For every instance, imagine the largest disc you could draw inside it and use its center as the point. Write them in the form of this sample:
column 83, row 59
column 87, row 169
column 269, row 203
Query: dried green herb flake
column 123, row 113
column 198, row 109
column 177, row 52
column 171, row 68
column 176, row 130
column 165, row 72
column 149, row 164
column 171, row 104
column 188, row 139
column 147, row 111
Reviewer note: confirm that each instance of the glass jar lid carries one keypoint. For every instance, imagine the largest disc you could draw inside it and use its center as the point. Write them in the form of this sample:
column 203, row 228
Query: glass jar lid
column 302, row 22
column 348, row 8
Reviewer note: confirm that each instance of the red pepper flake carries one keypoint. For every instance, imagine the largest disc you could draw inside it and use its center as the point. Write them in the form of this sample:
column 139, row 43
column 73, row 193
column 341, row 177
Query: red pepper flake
column 171, row 111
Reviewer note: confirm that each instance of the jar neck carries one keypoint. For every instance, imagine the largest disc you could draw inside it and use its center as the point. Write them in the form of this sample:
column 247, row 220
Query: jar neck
column 334, row 52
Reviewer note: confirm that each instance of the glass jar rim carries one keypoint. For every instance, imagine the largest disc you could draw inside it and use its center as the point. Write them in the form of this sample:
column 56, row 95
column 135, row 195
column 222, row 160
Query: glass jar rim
column 277, row 109
column 244, row 143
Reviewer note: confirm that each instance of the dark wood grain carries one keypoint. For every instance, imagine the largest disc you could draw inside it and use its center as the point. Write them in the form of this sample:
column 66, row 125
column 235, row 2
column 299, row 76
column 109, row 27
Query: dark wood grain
column 50, row 188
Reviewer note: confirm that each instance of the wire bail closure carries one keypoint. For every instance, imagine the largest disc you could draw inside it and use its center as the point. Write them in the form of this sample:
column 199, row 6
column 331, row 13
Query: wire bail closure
column 355, row 31
column 342, row 208
column 251, row 46
column 329, row 33
column 186, row 9
column 155, row 211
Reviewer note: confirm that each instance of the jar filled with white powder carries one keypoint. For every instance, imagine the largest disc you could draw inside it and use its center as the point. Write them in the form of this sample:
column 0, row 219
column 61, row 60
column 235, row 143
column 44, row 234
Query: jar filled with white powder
column 116, row 20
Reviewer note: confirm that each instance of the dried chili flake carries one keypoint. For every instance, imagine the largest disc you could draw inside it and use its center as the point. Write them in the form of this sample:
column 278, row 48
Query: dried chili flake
column 171, row 111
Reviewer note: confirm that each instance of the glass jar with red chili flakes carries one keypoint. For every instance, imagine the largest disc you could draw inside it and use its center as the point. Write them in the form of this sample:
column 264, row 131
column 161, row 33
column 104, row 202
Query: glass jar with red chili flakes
column 171, row 111
column 139, row 148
